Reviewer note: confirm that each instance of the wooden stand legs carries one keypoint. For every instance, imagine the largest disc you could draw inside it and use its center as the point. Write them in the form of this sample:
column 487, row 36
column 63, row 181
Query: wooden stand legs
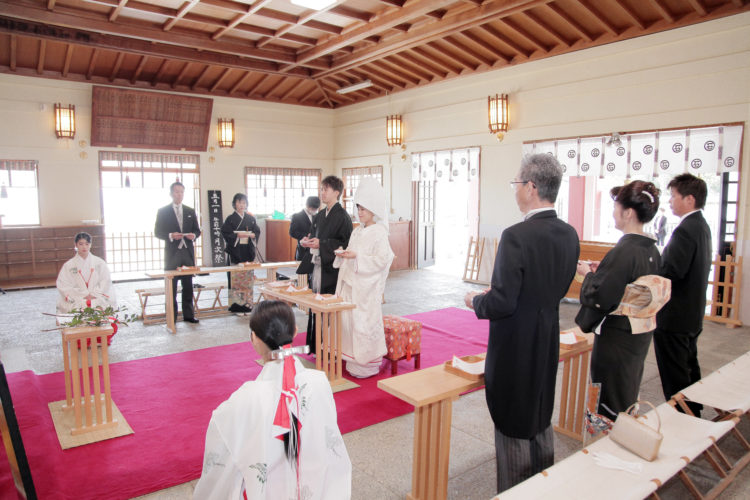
column 573, row 394
column 432, row 442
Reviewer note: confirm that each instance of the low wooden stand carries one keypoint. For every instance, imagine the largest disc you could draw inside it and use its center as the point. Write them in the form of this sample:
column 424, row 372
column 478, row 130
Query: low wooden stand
column 573, row 390
column 87, row 412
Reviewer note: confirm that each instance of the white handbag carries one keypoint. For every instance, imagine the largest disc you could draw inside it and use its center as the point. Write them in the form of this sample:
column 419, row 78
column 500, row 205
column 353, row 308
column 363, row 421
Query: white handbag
column 636, row 436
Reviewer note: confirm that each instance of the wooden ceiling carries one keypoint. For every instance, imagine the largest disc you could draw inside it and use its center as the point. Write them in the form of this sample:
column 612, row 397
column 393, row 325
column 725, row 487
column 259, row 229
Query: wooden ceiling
column 273, row 50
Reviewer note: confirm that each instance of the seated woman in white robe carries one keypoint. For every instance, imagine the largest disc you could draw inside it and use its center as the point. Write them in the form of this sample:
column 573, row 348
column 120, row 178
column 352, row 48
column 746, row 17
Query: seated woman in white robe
column 363, row 269
column 276, row 437
column 84, row 280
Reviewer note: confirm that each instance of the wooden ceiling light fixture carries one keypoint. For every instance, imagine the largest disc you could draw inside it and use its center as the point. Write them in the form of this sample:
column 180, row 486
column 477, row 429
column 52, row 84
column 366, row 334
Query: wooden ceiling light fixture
column 65, row 121
column 497, row 110
column 226, row 133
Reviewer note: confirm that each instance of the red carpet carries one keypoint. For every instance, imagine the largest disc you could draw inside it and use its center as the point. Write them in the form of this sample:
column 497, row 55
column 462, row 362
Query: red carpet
column 168, row 401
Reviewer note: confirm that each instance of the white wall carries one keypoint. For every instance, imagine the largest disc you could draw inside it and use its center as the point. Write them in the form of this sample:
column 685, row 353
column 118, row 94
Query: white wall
column 692, row 76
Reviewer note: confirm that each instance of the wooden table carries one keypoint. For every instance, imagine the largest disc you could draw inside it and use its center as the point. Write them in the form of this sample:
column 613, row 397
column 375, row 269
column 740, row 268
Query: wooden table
column 432, row 392
column 327, row 330
column 270, row 268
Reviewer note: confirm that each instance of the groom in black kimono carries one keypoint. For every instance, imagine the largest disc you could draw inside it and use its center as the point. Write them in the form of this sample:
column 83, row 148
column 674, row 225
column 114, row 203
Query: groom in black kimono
column 331, row 229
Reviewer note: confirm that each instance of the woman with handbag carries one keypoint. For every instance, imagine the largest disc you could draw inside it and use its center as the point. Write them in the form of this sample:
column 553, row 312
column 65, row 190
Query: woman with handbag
column 620, row 348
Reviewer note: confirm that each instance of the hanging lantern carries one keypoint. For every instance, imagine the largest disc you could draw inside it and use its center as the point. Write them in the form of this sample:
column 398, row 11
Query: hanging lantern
column 65, row 121
column 497, row 110
column 394, row 130
column 226, row 133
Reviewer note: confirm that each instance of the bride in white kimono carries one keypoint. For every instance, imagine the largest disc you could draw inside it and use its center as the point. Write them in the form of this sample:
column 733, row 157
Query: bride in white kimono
column 84, row 280
column 276, row 437
column 363, row 269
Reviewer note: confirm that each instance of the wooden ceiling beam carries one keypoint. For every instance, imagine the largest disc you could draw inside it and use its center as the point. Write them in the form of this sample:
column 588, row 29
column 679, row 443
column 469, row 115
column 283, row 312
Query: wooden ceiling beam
column 241, row 17
column 182, row 73
column 13, row 52
column 381, row 23
column 569, row 20
column 377, row 82
column 422, row 53
column 116, row 11
column 138, row 69
column 491, row 10
column 260, row 82
column 220, row 79
column 663, row 11
column 50, row 4
column 186, row 7
column 116, row 67
column 160, row 72
column 486, row 46
column 424, row 72
column 335, row 96
column 293, row 88
column 239, row 83
column 200, row 77
column 463, row 49
column 512, row 45
column 348, row 12
column 547, row 28
column 325, row 94
column 305, row 20
column 309, row 93
column 90, row 29
column 462, row 63
column 398, row 75
column 142, row 47
column 630, row 14
column 369, row 70
column 432, row 68
column 698, row 7
column 525, row 35
column 68, row 59
column 40, row 62
column 415, row 75
column 92, row 64
column 599, row 17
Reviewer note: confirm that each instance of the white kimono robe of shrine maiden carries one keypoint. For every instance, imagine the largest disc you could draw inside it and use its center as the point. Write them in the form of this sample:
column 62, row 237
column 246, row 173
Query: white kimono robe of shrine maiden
column 362, row 282
column 79, row 278
column 242, row 455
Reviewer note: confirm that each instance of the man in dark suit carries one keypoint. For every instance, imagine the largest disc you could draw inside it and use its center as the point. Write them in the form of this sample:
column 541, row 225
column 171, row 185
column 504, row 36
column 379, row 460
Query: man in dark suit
column 331, row 229
column 178, row 226
column 302, row 224
column 686, row 261
column 536, row 261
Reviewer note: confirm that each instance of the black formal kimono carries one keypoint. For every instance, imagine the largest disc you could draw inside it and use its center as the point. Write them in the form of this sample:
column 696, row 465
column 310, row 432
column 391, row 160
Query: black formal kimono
column 618, row 356
column 177, row 254
column 299, row 227
column 686, row 261
column 333, row 231
column 536, row 261
column 239, row 252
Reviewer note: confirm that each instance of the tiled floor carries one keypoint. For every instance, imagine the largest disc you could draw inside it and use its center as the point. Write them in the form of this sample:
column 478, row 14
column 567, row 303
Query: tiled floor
column 381, row 454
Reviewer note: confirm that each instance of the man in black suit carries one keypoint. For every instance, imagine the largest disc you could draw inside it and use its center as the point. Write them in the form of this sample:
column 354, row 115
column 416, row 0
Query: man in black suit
column 178, row 226
column 536, row 261
column 302, row 224
column 686, row 261
column 331, row 229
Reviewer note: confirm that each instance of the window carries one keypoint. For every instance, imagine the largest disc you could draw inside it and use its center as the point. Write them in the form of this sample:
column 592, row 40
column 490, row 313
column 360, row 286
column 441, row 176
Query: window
column 19, row 192
column 282, row 190
column 134, row 187
column 351, row 178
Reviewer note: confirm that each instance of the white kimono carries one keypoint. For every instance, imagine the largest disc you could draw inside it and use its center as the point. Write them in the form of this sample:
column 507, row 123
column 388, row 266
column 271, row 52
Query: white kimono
column 362, row 282
column 242, row 454
column 79, row 278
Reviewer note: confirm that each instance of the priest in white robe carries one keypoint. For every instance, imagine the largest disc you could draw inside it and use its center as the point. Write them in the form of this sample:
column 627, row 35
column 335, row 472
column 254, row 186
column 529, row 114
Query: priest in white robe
column 276, row 437
column 84, row 280
column 363, row 269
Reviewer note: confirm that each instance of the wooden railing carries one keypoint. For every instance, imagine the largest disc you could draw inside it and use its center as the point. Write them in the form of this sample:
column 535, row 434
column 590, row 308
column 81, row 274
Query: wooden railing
column 725, row 282
column 130, row 252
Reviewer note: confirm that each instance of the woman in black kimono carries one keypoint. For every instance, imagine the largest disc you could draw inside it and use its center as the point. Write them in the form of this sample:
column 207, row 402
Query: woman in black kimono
column 240, row 230
column 618, row 356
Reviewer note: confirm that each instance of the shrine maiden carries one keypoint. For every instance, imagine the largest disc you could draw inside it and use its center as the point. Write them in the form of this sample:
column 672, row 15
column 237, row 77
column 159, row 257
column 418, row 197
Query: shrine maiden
column 84, row 280
column 276, row 437
column 363, row 269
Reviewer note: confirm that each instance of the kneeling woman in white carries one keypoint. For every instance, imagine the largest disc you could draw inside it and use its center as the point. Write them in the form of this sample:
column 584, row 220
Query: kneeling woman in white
column 363, row 269
column 84, row 280
column 276, row 437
